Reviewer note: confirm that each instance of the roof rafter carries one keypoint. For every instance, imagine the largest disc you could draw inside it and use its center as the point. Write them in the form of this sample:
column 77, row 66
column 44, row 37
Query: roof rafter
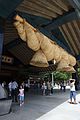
column 62, row 20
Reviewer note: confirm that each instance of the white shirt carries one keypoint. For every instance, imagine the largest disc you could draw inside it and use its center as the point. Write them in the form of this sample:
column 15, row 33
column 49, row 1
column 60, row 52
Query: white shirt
column 21, row 92
column 14, row 85
column 72, row 87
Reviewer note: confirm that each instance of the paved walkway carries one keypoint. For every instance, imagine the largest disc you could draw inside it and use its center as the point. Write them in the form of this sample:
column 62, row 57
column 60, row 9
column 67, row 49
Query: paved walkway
column 65, row 111
column 38, row 107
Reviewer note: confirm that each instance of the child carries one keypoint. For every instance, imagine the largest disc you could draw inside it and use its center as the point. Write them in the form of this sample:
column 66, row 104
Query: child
column 21, row 95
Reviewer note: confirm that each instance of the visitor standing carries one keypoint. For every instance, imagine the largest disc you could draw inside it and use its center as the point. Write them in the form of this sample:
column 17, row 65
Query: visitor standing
column 14, row 91
column 21, row 95
column 72, row 91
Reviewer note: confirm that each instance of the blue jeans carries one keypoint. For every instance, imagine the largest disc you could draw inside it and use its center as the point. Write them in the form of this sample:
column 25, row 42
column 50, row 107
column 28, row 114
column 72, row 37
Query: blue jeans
column 72, row 95
column 21, row 98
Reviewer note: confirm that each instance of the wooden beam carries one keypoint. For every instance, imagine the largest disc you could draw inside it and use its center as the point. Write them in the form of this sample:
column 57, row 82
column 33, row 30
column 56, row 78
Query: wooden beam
column 62, row 20
column 37, row 20
column 52, row 37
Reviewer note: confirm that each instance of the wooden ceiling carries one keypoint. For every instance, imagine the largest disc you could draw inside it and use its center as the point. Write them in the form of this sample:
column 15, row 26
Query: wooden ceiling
column 71, row 33
column 10, row 32
column 45, row 8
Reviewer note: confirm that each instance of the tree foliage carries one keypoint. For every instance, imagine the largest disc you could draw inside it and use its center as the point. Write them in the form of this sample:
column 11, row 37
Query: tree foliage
column 59, row 76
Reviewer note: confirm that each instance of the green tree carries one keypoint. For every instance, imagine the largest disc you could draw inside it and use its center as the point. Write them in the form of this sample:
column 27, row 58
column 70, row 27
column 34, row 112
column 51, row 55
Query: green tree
column 59, row 76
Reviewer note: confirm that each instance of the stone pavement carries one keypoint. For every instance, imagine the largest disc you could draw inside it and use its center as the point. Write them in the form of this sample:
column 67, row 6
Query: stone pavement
column 38, row 107
column 65, row 111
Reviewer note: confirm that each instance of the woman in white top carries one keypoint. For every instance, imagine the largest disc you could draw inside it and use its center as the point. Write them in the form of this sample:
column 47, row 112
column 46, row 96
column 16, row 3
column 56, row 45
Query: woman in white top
column 72, row 91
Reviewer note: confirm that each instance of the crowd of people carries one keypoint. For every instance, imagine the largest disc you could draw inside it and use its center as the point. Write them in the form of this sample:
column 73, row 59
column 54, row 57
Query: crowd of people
column 16, row 91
